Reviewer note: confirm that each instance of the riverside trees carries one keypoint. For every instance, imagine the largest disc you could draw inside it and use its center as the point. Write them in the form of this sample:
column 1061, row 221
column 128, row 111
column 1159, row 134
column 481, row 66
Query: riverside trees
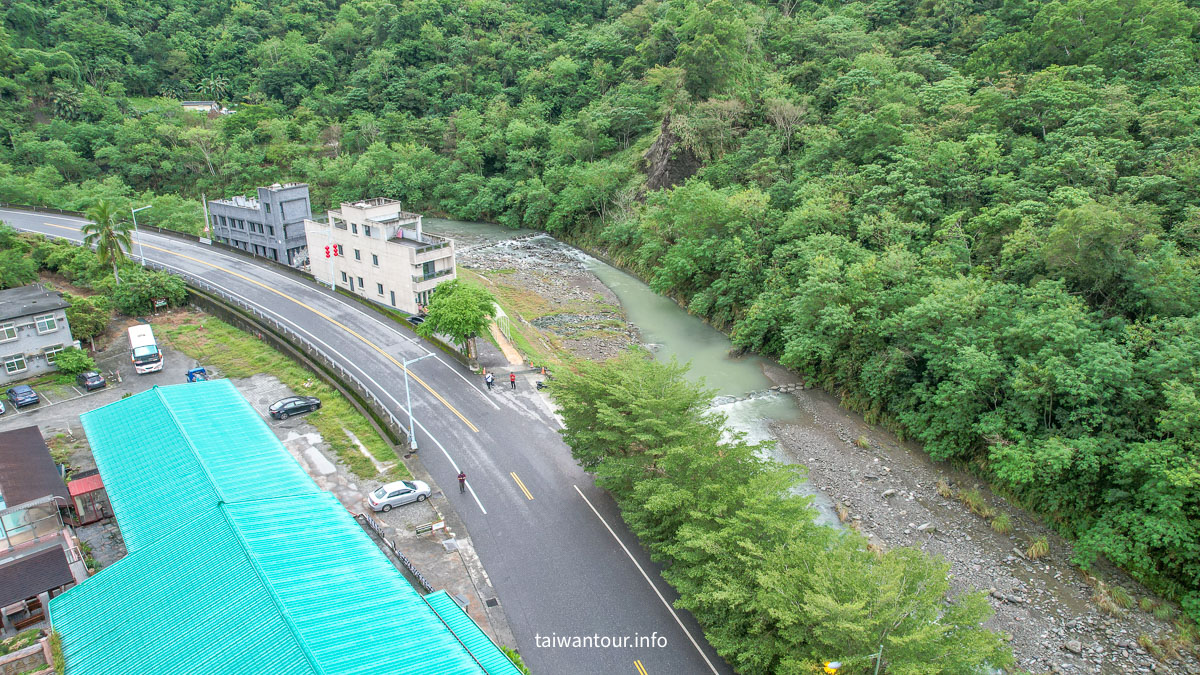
column 977, row 221
column 775, row 592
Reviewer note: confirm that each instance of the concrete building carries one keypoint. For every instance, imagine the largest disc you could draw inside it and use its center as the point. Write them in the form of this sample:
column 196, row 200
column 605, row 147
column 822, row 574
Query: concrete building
column 33, row 329
column 39, row 554
column 385, row 255
column 271, row 226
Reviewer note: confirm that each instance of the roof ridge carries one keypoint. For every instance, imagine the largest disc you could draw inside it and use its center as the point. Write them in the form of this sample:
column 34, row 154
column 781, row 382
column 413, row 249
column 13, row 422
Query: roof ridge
column 187, row 438
column 275, row 599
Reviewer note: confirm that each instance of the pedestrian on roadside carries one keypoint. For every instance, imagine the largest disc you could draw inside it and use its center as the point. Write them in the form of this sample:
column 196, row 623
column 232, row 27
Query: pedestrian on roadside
column 489, row 380
column 462, row 481
column 512, row 380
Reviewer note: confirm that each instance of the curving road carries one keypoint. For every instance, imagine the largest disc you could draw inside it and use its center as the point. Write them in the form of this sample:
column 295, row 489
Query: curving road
column 562, row 562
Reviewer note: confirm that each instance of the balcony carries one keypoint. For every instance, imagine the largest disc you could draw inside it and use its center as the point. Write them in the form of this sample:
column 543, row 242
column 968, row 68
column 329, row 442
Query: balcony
column 418, row 278
column 423, row 242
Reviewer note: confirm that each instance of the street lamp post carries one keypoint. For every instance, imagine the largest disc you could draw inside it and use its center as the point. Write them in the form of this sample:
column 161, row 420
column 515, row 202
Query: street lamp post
column 412, row 438
column 138, row 232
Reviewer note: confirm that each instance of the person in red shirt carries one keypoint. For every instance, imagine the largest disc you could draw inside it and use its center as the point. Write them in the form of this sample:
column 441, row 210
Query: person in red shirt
column 512, row 380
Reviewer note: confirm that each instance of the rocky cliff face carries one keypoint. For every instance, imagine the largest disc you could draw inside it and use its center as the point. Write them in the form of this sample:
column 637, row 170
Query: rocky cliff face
column 667, row 163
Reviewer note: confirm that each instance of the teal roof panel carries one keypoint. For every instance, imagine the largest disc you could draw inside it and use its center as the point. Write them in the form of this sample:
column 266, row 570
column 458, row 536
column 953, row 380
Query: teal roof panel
column 334, row 581
column 238, row 563
column 188, row 604
column 170, row 452
column 481, row 647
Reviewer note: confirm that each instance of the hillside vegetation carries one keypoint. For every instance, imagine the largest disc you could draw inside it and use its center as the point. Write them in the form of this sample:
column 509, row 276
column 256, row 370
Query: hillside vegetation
column 977, row 221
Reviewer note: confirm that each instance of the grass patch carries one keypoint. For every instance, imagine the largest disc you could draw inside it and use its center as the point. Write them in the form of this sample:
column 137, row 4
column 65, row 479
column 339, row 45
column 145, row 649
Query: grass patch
column 20, row 641
column 944, row 489
column 1164, row 612
column 1038, row 548
column 1121, row 597
column 1002, row 524
column 237, row 354
column 862, row 442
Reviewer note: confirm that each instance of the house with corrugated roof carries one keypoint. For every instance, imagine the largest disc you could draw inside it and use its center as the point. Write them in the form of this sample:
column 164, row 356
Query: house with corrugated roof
column 239, row 563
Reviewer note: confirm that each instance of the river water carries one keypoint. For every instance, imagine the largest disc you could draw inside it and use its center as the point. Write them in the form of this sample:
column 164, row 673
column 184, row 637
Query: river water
column 741, row 386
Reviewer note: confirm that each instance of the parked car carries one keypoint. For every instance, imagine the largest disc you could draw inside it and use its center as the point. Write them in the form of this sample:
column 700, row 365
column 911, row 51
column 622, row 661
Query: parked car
column 294, row 405
column 2, row 410
column 23, row 395
column 90, row 380
column 415, row 320
column 397, row 494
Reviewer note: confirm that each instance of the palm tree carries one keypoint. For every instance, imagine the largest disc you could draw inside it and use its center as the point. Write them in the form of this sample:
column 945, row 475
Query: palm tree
column 215, row 87
column 110, row 238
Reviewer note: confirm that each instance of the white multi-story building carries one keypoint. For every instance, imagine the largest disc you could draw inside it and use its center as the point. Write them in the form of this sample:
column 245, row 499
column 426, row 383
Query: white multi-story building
column 384, row 255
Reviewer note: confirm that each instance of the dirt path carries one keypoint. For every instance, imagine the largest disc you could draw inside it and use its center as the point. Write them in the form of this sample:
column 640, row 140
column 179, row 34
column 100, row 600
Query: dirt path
column 889, row 490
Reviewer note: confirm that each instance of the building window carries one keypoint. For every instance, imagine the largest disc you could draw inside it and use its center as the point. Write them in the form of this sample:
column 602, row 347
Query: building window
column 50, row 352
column 357, row 254
column 8, row 331
column 223, row 223
column 46, row 323
column 271, row 230
column 343, row 277
column 268, row 207
column 14, row 364
column 361, row 285
column 366, row 230
column 393, row 298
column 354, row 228
column 380, row 288
column 375, row 260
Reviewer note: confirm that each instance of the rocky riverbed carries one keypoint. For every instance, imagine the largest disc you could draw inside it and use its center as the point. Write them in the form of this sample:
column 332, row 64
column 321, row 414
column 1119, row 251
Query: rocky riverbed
column 888, row 490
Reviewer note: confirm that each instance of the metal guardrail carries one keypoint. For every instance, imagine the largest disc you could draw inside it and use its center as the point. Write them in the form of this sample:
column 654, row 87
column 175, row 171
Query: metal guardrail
column 374, row 525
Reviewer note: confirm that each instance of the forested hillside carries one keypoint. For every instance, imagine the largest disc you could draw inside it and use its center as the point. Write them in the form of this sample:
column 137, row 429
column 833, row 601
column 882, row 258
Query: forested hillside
column 977, row 221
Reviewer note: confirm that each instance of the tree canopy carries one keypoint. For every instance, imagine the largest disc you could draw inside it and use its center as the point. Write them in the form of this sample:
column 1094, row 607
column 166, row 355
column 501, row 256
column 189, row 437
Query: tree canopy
column 976, row 220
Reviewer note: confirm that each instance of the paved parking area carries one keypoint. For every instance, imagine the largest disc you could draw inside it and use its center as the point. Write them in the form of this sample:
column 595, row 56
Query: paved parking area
column 62, row 405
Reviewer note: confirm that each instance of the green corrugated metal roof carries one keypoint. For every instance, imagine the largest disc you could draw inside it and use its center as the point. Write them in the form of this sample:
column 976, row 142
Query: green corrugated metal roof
column 196, row 444
column 486, row 653
column 237, row 563
column 189, row 603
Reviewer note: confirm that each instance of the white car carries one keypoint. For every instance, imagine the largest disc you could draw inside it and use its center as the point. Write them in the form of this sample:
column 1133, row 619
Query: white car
column 397, row 494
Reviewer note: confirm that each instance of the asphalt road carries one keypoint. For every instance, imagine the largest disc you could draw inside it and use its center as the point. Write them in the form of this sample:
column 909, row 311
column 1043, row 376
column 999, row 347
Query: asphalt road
column 554, row 546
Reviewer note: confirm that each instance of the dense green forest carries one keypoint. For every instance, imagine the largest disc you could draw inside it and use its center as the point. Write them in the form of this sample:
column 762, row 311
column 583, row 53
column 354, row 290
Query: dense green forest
column 976, row 220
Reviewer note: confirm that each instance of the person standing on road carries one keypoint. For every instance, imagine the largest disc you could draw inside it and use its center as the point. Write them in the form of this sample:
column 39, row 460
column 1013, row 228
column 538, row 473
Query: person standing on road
column 462, row 482
column 489, row 380
column 512, row 380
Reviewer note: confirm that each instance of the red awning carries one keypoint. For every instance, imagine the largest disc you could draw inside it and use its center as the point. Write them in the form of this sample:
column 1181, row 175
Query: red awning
column 85, row 485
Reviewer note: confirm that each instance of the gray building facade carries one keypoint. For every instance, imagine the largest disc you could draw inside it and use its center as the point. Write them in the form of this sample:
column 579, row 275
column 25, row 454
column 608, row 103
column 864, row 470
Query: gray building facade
column 271, row 225
column 33, row 329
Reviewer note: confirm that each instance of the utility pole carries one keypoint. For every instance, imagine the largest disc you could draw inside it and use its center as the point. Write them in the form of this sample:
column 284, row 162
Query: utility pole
column 138, row 232
column 204, row 203
column 412, row 439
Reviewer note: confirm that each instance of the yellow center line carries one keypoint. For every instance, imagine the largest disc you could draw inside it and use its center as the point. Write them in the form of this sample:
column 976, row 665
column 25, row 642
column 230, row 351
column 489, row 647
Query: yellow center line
column 314, row 310
column 640, row 668
column 521, row 485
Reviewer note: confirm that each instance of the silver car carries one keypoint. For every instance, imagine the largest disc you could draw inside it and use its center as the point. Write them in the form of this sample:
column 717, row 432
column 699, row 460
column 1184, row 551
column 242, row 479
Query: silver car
column 397, row 494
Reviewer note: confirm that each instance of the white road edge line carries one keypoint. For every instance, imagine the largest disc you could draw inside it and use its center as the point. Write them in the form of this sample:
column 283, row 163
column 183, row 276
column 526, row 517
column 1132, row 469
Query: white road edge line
column 326, row 345
column 647, row 578
column 346, row 303
column 319, row 287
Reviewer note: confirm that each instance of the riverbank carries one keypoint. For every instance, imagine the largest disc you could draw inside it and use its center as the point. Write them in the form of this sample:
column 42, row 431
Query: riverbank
column 890, row 491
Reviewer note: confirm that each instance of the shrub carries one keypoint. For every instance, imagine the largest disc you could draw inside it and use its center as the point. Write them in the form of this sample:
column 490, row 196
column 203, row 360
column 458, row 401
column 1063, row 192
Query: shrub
column 944, row 489
column 862, row 442
column 73, row 361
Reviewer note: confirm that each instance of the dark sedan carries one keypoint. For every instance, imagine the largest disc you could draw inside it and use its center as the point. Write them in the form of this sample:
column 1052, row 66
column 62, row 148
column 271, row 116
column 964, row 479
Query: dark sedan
column 90, row 380
column 294, row 405
column 23, row 395
column 415, row 320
